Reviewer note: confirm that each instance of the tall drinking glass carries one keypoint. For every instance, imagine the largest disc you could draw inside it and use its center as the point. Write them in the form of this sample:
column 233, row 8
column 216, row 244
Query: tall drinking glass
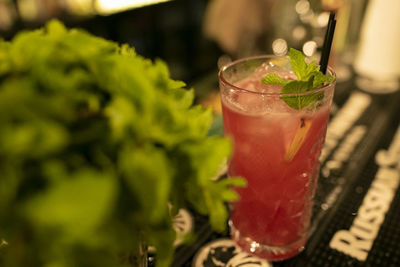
column 276, row 149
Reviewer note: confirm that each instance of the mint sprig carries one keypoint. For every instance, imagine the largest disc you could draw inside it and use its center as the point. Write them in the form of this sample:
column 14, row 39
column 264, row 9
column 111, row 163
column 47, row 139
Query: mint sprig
column 309, row 77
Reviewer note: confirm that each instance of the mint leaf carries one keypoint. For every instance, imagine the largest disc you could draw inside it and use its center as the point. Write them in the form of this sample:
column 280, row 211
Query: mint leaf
column 312, row 69
column 309, row 77
column 320, row 79
column 299, row 65
column 299, row 101
column 273, row 78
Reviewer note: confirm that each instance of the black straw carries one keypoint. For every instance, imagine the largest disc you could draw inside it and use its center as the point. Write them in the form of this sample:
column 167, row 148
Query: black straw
column 326, row 49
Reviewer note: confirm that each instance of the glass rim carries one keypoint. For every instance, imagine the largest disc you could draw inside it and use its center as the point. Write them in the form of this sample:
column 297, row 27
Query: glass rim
column 225, row 82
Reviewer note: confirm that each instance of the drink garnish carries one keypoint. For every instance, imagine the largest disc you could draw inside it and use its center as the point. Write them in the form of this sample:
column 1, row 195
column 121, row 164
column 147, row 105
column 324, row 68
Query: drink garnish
column 298, row 139
column 309, row 77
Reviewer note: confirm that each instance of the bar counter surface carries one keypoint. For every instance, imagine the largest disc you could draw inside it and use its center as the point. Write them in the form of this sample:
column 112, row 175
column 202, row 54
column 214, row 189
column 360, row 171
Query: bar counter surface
column 356, row 216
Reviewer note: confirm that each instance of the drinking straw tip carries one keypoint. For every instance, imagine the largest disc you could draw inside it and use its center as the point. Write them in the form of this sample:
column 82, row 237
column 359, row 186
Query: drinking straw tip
column 328, row 42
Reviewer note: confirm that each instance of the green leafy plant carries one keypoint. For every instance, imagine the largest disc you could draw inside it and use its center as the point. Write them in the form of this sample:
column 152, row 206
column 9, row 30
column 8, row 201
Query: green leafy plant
column 309, row 77
column 96, row 144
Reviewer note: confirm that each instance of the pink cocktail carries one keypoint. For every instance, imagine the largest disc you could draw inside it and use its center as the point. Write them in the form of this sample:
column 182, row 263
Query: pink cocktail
column 276, row 149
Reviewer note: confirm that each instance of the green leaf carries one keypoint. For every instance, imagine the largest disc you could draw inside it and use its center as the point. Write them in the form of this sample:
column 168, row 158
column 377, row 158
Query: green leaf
column 298, row 63
column 311, row 69
column 273, row 78
column 56, row 29
column 320, row 79
column 209, row 196
column 150, row 186
column 76, row 205
column 299, row 101
column 293, row 87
